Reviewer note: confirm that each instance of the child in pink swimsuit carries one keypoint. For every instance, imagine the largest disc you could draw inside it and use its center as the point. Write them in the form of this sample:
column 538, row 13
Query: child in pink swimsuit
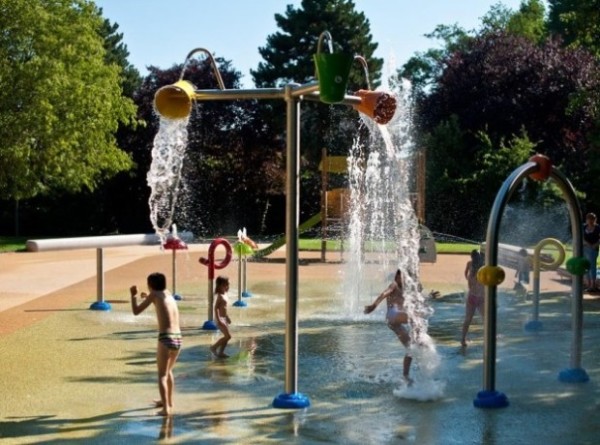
column 475, row 298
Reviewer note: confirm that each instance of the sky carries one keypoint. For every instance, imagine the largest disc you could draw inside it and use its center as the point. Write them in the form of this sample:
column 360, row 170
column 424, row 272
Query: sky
column 161, row 33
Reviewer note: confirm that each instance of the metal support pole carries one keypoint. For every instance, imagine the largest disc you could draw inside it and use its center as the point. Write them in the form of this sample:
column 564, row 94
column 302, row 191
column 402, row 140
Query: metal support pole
column 240, row 279
column 100, row 304
column 239, row 302
column 292, row 204
column 209, row 323
column 291, row 398
column 244, row 276
column 575, row 374
column 174, row 272
column 99, row 274
column 489, row 397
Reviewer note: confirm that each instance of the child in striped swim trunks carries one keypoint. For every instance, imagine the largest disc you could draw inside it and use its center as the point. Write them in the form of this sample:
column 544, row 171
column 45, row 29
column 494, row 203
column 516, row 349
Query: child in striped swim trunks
column 169, row 337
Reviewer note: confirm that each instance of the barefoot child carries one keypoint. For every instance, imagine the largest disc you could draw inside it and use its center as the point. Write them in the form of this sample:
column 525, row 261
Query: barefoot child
column 221, row 318
column 169, row 337
column 475, row 294
column 396, row 317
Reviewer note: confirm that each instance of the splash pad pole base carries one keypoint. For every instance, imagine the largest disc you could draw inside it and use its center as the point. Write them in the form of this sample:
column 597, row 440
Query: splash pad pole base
column 293, row 401
column 177, row 297
column 246, row 294
column 100, row 306
column 209, row 325
column 573, row 375
column 490, row 399
column 533, row 326
column 240, row 303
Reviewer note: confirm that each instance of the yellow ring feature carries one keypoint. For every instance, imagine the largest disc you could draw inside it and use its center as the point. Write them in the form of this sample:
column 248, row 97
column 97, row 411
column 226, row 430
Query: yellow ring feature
column 553, row 265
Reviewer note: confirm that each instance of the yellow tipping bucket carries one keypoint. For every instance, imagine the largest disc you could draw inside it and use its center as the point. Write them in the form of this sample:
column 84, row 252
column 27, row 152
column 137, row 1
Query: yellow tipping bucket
column 174, row 101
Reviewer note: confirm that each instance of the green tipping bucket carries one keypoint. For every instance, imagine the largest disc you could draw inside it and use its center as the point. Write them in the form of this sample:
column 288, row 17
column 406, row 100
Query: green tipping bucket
column 332, row 72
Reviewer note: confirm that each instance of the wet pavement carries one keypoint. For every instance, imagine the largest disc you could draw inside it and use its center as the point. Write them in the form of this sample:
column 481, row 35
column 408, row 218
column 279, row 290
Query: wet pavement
column 73, row 375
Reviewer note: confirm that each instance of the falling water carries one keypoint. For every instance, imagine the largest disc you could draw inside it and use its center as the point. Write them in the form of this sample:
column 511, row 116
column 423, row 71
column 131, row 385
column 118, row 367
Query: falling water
column 164, row 175
column 384, row 230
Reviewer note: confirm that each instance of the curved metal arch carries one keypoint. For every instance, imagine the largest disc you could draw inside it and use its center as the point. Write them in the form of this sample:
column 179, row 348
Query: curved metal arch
column 491, row 259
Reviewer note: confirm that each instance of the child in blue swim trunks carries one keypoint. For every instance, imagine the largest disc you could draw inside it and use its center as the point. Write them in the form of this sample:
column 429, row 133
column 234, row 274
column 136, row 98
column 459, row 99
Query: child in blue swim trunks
column 169, row 337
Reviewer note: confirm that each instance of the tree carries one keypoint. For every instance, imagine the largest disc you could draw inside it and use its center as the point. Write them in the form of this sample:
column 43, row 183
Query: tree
column 288, row 53
column 423, row 68
column 117, row 54
column 577, row 21
column 505, row 86
column 528, row 21
column 288, row 57
column 61, row 101
column 233, row 169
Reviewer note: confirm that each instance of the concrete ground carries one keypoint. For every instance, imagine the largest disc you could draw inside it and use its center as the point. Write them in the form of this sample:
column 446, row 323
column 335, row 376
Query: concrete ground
column 71, row 375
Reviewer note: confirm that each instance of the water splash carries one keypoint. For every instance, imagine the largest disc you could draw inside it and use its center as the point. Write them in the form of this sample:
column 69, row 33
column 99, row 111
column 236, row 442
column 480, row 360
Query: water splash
column 384, row 230
column 164, row 176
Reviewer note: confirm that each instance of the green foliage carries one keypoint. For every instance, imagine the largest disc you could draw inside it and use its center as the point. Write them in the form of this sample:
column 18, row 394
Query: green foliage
column 61, row 101
column 423, row 68
column 288, row 55
column 577, row 21
column 117, row 54
column 528, row 21
column 494, row 164
column 462, row 180
column 233, row 165
column 12, row 243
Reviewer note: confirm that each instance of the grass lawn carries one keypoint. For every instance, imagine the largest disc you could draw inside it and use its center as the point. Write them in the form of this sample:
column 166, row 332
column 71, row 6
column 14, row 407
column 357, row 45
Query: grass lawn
column 12, row 243
column 334, row 246
column 15, row 244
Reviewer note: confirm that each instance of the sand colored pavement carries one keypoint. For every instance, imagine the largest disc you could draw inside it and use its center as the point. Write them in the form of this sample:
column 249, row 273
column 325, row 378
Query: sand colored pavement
column 35, row 283
column 77, row 375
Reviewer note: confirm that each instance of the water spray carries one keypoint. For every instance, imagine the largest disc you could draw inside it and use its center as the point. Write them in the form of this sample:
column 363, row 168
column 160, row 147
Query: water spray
column 174, row 102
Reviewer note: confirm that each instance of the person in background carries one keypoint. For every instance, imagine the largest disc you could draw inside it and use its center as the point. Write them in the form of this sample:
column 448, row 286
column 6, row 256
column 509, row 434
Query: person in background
column 522, row 273
column 591, row 241
column 475, row 293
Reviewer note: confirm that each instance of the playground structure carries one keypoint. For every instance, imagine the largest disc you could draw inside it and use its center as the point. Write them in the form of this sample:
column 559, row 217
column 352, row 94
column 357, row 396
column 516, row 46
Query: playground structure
column 491, row 275
column 334, row 203
column 175, row 102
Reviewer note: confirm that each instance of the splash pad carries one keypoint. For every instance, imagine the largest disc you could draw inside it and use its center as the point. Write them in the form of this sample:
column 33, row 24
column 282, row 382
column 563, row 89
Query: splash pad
column 174, row 103
column 347, row 368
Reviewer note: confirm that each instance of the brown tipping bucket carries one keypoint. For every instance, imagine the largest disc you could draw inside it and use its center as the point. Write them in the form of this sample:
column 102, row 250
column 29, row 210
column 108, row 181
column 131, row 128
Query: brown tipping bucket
column 378, row 105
